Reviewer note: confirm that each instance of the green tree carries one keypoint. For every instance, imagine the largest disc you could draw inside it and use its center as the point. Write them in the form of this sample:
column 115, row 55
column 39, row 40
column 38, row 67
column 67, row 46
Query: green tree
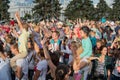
column 102, row 10
column 27, row 16
column 88, row 9
column 79, row 9
column 47, row 8
column 4, row 9
column 116, row 10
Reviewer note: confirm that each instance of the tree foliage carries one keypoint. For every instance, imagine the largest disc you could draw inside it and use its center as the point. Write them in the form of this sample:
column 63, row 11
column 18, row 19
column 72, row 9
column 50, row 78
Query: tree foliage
column 102, row 10
column 79, row 9
column 116, row 10
column 86, row 9
column 47, row 8
column 4, row 9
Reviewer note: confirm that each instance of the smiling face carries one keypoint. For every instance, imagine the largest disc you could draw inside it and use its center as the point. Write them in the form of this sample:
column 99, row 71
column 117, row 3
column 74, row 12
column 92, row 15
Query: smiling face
column 104, row 51
column 55, row 36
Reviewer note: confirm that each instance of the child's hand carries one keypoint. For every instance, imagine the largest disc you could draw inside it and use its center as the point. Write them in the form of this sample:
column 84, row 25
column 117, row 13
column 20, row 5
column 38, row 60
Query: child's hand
column 17, row 14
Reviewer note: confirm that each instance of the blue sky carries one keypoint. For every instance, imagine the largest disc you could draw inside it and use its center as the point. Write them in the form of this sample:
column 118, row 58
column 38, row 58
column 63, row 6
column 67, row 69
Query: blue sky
column 109, row 2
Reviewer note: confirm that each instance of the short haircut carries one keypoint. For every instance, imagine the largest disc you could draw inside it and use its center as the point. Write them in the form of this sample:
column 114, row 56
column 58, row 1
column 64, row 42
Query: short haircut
column 57, row 33
column 85, row 29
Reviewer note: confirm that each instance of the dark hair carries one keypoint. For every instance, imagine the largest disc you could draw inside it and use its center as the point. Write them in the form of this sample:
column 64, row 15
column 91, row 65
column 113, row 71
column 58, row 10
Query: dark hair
column 117, row 54
column 42, row 53
column 1, row 47
column 102, row 47
column 61, row 72
column 57, row 33
column 108, row 29
column 31, row 42
column 55, row 58
column 85, row 29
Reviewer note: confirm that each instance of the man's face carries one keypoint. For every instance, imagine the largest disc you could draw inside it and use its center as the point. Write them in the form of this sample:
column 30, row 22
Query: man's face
column 83, row 34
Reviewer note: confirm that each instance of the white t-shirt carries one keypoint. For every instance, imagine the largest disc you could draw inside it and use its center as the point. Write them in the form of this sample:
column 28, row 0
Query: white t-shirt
column 23, row 63
column 4, row 70
column 42, row 67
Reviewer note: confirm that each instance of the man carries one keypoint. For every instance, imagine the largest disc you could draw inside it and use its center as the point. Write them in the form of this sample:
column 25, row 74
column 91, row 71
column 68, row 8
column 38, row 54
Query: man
column 21, row 64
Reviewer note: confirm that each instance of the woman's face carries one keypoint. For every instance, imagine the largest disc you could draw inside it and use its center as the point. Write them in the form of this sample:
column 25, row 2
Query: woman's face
column 98, row 44
column 104, row 51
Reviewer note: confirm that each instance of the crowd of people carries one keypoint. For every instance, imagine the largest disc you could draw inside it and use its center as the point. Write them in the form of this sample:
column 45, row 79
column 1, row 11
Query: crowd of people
column 60, row 50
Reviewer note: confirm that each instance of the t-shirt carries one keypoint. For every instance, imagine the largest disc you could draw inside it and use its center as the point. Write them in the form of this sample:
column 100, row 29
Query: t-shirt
column 5, row 70
column 22, row 41
column 42, row 67
column 23, row 63
column 87, row 48
column 100, row 68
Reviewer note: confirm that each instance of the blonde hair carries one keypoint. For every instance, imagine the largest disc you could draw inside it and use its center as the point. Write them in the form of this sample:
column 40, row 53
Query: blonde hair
column 78, row 45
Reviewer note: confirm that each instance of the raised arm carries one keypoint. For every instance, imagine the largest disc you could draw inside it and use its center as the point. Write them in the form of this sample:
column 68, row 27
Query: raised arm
column 47, row 56
column 18, row 20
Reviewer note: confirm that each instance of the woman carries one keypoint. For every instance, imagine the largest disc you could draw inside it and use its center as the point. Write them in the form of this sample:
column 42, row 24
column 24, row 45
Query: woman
column 100, row 65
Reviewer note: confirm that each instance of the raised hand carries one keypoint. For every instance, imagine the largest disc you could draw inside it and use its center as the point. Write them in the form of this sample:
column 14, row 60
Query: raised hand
column 17, row 14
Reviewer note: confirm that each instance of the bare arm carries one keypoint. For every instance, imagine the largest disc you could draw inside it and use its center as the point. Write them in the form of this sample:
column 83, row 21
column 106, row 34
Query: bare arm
column 47, row 56
column 18, row 20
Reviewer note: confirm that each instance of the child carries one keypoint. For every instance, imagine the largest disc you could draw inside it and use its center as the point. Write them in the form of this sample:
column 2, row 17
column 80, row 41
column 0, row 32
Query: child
column 22, row 42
